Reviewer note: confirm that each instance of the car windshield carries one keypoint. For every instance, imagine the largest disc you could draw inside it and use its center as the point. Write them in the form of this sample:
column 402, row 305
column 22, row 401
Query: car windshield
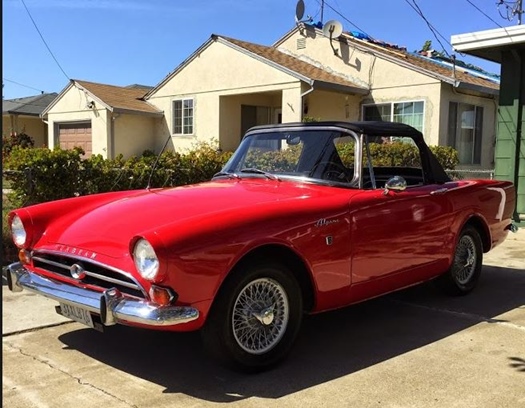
column 319, row 155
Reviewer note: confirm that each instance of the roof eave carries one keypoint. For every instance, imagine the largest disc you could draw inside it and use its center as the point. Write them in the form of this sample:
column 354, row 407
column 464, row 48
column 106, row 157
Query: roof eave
column 137, row 112
column 477, row 88
column 54, row 101
column 340, row 87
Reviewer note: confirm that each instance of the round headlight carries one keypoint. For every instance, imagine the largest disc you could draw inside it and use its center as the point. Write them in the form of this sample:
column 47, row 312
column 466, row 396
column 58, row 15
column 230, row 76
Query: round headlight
column 18, row 231
column 146, row 260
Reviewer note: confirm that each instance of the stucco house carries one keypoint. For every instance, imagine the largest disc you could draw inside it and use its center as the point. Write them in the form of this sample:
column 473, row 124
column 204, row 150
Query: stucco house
column 22, row 115
column 228, row 85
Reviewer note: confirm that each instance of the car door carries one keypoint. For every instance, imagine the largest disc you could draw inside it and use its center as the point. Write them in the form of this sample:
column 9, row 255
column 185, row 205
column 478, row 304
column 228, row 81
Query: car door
column 399, row 232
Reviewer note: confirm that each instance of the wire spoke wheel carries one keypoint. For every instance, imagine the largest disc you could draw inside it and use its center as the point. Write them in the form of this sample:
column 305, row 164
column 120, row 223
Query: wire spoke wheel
column 464, row 272
column 260, row 315
column 465, row 260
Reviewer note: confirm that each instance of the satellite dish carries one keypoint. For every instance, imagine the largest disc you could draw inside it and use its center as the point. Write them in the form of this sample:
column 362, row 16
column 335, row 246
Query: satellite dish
column 333, row 29
column 299, row 10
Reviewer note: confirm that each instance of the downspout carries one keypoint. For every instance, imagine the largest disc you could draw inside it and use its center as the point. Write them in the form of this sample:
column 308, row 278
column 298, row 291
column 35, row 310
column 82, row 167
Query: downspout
column 519, row 128
column 302, row 98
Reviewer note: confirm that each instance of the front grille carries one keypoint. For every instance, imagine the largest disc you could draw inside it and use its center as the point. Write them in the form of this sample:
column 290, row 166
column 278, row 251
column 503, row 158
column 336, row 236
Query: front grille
column 96, row 274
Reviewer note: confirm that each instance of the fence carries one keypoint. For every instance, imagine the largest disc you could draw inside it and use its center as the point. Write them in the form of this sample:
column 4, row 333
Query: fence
column 460, row 174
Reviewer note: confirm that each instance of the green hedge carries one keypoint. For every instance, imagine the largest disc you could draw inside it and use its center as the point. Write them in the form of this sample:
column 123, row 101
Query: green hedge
column 40, row 175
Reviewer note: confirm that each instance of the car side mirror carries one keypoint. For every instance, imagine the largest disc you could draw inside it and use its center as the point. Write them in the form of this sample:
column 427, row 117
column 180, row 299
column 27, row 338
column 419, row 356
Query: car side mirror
column 396, row 183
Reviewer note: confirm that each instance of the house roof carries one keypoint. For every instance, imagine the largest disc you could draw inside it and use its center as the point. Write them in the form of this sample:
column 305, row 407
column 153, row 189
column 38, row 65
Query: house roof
column 436, row 67
column 299, row 69
column 455, row 74
column 296, row 67
column 117, row 99
column 30, row 105
column 490, row 44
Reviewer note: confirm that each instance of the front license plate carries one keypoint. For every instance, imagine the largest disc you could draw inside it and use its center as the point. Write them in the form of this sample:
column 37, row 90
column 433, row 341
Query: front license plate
column 77, row 314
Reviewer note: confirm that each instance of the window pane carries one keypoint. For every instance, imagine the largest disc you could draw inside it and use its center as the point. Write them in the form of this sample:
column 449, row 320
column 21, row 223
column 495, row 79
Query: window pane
column 410, row 113
column 466, row 133
column 177, row 116
column 183, row 117
column 377, row 112
column 478, row 136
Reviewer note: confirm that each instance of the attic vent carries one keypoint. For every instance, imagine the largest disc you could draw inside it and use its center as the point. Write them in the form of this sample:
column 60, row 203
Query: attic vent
column 301, row 43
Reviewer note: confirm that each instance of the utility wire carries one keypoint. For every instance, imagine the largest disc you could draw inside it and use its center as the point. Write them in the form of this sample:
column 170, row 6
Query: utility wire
column 434, row 31
column 343, row 17
column 18, row 83
column 482, row 12
column 44, row 41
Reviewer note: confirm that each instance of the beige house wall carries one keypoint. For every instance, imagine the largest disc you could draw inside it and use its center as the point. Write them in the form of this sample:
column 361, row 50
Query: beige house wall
column 490, row 108
column 132, row 134
column 387, row 81
column 72, row 108
column 219, row 93
column 31, row 125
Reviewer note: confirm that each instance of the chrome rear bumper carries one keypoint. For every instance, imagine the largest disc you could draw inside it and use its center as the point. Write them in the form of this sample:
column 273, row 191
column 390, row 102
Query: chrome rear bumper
column 110, row 305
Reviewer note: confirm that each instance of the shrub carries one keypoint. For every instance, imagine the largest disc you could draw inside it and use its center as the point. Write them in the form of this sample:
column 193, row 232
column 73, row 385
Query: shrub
column 21, row 140
column 39, row 175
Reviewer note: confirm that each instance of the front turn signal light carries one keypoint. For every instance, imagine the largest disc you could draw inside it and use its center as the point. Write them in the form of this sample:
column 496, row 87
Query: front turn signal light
column 24, row 256
column 161, row 296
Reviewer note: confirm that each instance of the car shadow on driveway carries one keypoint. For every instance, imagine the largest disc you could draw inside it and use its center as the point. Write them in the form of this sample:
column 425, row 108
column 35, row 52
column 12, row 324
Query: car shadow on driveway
column 330, row 345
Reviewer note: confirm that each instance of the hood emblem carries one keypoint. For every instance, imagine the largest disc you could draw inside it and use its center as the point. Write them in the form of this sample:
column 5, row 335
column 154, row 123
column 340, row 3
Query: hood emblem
column 77, row 271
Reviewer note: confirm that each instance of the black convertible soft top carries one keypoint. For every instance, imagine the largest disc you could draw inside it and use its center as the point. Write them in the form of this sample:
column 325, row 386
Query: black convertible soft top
column 432, row 169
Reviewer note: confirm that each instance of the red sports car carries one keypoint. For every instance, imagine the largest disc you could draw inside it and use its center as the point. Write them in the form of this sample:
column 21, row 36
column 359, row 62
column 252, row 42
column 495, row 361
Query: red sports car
column 304, row 218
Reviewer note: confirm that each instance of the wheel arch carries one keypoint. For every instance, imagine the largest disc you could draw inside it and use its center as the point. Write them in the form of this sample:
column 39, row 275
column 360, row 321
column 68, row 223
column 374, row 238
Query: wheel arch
column 289, row 258
column 481, row 226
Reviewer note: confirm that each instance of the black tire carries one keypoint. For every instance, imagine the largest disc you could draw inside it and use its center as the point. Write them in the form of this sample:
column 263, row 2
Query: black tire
column 255, row 318
column 465, row 270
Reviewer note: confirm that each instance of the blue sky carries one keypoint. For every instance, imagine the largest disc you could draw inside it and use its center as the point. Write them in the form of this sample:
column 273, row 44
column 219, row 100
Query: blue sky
column 123, row 42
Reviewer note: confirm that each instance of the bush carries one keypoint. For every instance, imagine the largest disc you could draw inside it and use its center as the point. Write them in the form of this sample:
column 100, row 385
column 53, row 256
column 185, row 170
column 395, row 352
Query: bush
column 39, row 175
column 21, row 140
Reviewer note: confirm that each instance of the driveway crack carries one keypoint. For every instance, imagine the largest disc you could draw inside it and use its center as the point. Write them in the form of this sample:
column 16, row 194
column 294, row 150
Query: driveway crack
column 77, row 379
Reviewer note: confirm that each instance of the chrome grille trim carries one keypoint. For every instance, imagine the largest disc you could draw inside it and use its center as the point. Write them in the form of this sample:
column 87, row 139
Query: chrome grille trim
column 127, row 280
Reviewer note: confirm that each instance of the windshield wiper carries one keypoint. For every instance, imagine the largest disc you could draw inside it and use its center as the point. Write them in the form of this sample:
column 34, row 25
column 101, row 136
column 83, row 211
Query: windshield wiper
column 258, row 171
column 227, row 174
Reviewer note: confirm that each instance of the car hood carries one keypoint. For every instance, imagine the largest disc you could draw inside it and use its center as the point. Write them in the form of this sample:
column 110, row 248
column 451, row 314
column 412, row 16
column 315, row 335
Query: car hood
column 108, row 226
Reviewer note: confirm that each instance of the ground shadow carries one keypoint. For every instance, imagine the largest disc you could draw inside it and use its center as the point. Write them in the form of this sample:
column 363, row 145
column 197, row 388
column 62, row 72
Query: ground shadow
column 330, row 345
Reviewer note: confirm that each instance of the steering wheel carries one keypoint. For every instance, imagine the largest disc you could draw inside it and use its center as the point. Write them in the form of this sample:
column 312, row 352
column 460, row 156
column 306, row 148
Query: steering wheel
column 337, row 174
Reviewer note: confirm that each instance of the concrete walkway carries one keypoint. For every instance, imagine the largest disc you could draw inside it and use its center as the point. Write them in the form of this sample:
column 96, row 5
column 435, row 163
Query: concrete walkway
column 415, row 348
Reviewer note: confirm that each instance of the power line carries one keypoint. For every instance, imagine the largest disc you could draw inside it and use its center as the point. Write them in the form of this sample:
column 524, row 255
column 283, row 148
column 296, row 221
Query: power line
column 343, row 17
column 44, row 41
column 482, row 12
column 434, row 30
column 25, row 86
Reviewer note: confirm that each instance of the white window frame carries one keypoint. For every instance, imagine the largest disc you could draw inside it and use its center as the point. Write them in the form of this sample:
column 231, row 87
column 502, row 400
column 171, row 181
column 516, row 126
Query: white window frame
column 183, row 131
column 392, row 104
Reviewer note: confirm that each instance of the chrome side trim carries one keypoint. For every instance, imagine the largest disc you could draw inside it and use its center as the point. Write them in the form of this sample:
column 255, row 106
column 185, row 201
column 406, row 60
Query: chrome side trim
column 111, row 305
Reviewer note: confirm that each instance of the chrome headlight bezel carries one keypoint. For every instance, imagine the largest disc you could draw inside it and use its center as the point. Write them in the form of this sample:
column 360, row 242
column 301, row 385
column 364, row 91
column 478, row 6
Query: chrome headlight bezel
column 146, row 260
column 18, row 232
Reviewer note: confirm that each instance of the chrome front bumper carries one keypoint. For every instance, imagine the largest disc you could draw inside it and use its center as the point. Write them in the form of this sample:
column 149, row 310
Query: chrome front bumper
column 110, row 305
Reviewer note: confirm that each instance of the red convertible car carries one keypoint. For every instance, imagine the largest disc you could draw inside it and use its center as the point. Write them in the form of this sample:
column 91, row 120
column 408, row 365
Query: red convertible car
column 304, row 218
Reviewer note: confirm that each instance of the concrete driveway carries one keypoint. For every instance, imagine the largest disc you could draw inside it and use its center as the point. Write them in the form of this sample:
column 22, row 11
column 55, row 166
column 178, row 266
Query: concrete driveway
column 415, row 348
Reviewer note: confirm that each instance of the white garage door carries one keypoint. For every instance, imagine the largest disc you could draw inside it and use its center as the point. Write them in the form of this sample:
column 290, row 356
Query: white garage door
column 75, row 134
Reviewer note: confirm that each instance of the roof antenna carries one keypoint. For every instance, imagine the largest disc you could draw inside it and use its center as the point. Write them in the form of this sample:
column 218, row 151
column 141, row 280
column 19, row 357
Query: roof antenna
column 156, row 162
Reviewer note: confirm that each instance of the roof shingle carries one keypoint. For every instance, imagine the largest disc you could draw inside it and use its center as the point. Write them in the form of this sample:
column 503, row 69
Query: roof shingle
column 118, row 97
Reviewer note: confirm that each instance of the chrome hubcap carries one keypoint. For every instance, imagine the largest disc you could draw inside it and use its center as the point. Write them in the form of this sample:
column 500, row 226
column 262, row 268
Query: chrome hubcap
column 260, row 316
column 465, row 260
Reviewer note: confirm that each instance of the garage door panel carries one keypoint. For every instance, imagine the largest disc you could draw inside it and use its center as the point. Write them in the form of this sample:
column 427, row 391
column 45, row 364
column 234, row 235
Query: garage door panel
column 71, row 135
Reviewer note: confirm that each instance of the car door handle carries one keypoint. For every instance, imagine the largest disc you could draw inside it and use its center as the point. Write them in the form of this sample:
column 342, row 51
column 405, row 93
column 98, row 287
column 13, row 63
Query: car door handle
column 439, row 191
